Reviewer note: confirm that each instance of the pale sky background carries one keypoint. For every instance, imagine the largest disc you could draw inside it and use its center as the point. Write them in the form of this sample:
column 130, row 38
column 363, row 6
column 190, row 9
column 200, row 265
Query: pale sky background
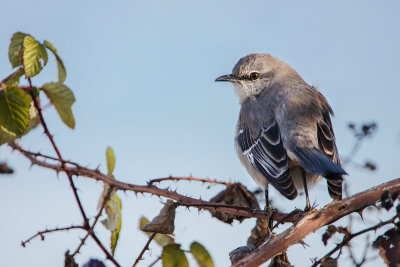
column 143, row 75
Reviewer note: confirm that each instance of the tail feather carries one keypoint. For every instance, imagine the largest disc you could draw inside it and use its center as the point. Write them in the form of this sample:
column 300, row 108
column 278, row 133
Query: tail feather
column 315, row 161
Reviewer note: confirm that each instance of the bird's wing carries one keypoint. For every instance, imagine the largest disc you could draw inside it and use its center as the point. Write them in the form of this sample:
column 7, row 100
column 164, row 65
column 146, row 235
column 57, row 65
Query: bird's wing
column 267, row 154
column 327, row 143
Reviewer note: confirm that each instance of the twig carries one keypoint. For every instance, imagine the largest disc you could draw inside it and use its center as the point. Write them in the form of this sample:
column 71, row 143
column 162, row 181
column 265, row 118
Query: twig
column 315, row 220
column 90, row 230
column 41, row 233
column 66, row 169
column 146, row 247
column 346, row 239
column 183, row 200
column 190, row 178
column 63, row 165
column 154, row 262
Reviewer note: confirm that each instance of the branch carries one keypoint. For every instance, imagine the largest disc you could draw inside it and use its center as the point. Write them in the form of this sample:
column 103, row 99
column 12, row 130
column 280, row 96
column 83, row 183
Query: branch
column 90, row 230
column 315, row 220
column 346, row 239
column 146, row 247
column 41, row 233
column 183, row 200
column 190, row 178
column 63, row 165
column 66, row 169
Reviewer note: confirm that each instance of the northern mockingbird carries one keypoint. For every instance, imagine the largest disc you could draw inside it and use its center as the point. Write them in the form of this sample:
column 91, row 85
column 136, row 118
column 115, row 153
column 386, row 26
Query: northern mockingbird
column 284, row 134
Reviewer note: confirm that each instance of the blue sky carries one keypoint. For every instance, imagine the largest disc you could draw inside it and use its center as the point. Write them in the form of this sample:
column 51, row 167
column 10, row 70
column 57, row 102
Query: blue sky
column 143, row 74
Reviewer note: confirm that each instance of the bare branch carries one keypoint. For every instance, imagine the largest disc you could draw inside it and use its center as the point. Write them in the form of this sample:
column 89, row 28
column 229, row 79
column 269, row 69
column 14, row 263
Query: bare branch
column 146, row 247
column 347, row 238
column 190, row 178
column 183, row 200
column 41, row 233
column 315, row 220
column 90, row 230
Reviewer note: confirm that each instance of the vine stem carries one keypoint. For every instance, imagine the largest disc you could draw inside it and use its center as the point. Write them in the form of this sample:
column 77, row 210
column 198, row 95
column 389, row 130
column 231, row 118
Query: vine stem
column 146, row 247
column 66, row 169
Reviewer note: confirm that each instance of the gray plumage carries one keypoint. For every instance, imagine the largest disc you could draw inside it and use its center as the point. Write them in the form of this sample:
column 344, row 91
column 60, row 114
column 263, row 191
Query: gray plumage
column 284, row 130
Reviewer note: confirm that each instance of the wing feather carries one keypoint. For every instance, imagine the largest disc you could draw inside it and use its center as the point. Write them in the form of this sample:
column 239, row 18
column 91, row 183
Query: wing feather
column 267, row 154
column 327, row 143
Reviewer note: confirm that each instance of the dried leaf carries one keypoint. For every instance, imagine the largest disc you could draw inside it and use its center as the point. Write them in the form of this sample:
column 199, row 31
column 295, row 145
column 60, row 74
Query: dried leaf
column 164, row 223
column 236, row 195
column 69, row 260
column 236, row 254
column 259, row 233
column 329, row 262
column 4, row 169
column 161, row 239
column 280, row 260
column 389, row 247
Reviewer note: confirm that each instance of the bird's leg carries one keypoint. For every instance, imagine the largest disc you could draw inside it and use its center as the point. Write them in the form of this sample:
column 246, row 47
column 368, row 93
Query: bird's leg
column 268, row 208
column 308, row 206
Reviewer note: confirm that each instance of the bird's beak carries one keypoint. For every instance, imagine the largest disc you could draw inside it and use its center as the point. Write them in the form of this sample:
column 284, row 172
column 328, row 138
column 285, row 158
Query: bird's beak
column 226, row 78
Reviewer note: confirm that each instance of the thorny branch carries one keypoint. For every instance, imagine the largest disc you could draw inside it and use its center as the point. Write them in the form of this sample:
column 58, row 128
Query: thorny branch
column 90, row 230
column 347, row 238
column 190, row 178
column 146, row 247
column 66, row 169
column 47, row 231
column 315, row 220
column 183, row 200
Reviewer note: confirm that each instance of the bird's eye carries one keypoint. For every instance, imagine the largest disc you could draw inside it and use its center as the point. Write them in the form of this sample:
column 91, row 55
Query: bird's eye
column 254, row 75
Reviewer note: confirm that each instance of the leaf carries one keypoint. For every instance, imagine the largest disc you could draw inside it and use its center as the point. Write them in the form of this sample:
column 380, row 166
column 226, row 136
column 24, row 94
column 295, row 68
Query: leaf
column 113, row 211
column 236, row 195
column 14, row 110
column 110, row 158
column 115, row 233
column 164, row 222
column 161, row 239
column 13, row 78
column 62, row 73
column 62, row 98
column 7, row 136
column 201, row 255
column 33, row 52
column 173, row 256
column 15, row 49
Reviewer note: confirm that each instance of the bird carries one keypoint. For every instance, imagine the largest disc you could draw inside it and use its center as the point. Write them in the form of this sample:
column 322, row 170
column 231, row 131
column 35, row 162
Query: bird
column 284, row 134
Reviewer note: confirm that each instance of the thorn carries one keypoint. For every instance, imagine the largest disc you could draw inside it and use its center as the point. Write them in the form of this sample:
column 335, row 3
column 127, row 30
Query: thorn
column 360, row 213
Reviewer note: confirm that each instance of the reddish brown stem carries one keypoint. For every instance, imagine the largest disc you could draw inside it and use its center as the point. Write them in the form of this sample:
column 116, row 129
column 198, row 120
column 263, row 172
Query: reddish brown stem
column 190, row 178
column 41, row 233
column 146, row 247
column 66, row 169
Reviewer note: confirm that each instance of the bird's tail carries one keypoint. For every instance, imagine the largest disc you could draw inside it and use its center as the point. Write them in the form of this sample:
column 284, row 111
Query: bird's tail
column 315, row 161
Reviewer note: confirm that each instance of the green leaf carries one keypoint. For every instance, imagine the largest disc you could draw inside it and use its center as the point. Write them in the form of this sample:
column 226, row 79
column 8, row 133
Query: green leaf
column 203, row 258
column 7, row 136
column 161, row 239
column 15, row 49
column 113, row 208
column 115, row 233
column 62, row 73
column 62, row 98
column 13, row 78
column 173, row 256
column 110, row 158
column 14, row 110
column 33, row 53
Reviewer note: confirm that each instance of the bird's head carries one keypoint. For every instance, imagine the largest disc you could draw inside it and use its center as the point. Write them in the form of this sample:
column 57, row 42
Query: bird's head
column 255, row 73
